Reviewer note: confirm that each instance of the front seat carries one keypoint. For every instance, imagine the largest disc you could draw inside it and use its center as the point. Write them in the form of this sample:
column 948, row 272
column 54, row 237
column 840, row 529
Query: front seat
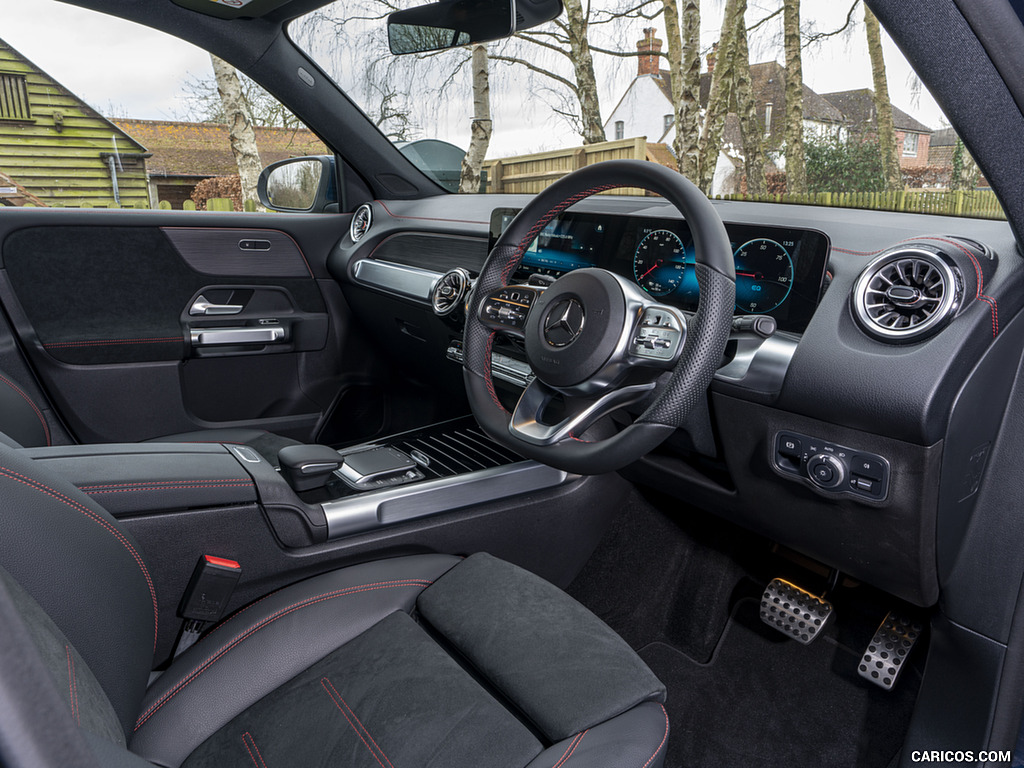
column 423, row 660
column 23, row 421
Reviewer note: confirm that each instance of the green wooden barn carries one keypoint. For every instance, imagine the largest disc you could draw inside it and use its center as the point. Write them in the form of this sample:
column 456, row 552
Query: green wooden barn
column 56, row 150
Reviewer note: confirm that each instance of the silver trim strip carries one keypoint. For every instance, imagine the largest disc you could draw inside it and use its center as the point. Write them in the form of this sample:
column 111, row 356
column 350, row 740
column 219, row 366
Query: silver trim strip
column 409, row 282
column 408, row 502
column 207, row 336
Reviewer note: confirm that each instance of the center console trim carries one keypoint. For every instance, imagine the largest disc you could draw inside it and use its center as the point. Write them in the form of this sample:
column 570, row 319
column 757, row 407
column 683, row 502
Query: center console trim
column 374, row 509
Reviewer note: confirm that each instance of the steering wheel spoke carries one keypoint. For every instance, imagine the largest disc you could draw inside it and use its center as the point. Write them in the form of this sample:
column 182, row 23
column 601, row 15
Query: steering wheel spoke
column 527, row 419
column 508, row 308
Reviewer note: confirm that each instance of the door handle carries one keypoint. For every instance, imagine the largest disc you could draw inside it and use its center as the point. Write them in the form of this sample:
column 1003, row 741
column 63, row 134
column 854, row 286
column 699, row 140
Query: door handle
column 203, row 307
column 207, row 336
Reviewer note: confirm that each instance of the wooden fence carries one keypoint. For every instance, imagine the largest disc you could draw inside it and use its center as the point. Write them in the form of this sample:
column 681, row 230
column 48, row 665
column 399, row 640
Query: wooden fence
column 530, row 174
column 977, row 203
column 213, row 204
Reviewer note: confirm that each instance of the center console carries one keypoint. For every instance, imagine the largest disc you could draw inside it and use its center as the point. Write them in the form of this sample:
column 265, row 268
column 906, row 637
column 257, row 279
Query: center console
column 326, row 494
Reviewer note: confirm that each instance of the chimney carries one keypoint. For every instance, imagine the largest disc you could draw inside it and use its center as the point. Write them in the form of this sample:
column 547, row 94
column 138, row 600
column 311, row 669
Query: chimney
column 648, row 62
column 711, row 57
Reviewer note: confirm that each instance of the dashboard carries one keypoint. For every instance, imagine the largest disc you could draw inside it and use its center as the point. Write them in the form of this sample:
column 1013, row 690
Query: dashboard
column 779, row 271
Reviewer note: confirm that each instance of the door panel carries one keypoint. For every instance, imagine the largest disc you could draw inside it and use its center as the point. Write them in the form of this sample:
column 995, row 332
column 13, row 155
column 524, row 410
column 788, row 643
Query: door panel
column 114, row 311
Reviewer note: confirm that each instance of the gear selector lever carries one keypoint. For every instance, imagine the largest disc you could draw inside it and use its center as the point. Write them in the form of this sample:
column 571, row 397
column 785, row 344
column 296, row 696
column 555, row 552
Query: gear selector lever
column 306, row 467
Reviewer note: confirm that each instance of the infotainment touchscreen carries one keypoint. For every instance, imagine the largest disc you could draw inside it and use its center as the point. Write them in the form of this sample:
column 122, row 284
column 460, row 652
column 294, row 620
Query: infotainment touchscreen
column 779, row 271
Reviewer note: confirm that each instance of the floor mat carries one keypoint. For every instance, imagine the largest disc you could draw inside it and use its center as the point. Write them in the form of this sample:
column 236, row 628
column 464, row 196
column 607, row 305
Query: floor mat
column 767, row 701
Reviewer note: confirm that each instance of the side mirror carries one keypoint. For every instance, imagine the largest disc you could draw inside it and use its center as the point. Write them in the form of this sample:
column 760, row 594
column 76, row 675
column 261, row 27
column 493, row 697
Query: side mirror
column 305, row 184
column 454, row 23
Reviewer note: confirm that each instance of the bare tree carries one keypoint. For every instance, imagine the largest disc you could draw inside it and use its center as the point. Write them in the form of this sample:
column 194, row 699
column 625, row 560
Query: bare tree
column 240, row 128
column 746, row 108
column 583, row 67
column 720, row 97
column 472, row 163
column 203, row 103
column 796, row 170
column 684, row 64
column 883, row 107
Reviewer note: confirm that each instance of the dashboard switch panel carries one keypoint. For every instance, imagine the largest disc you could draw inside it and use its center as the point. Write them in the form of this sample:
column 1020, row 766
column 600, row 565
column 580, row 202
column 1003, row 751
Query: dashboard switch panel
column 831, row 467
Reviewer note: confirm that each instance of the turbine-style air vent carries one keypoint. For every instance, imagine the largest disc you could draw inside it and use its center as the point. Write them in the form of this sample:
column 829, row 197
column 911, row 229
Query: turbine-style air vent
column 361, row 221
column 449, row 291
column 908, row 294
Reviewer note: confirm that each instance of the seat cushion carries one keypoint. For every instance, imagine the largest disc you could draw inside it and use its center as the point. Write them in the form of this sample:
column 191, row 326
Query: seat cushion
column 555, row 660
column 495, row 668
column 389, row 697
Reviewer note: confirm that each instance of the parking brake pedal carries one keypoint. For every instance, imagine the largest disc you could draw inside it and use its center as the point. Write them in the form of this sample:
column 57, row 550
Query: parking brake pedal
column 887, row 653
column 793, row 611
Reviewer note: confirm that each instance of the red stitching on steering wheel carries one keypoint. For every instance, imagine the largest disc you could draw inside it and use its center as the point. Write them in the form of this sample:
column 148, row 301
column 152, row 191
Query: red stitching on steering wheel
column 542, row 222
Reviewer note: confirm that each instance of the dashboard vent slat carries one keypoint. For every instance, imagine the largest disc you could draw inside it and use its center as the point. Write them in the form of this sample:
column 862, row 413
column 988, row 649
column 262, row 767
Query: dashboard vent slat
column 361, row 221
column 907, row 294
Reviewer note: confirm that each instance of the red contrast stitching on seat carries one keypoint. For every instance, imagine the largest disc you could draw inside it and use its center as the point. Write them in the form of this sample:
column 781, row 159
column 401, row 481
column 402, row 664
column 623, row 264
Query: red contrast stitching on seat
column 161, row 482
column 239, row 484
column 663, row 739
column 260, row 763
column 32, row 405
column 571, row 748
column 45, row 489
column 335, row 697
column 420, row 583
column 73, row 687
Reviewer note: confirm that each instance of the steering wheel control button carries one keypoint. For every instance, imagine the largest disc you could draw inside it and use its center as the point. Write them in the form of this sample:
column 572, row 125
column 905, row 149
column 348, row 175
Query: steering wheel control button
column 793, row 611
column 508, row 307
column 886, row 655
column 659, row 335
column 830, row 467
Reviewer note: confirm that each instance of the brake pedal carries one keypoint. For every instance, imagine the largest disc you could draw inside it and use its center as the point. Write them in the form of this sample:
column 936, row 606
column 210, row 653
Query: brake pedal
column 793, row 611
column 887, row 653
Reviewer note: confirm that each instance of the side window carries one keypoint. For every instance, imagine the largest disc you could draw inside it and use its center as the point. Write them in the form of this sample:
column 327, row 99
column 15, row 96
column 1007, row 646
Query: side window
column 910, row 145
column 154, row 136
column 668, row 120
column 620, row 129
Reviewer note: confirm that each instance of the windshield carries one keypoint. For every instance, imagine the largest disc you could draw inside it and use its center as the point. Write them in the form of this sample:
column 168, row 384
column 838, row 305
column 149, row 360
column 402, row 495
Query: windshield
column 806, row 102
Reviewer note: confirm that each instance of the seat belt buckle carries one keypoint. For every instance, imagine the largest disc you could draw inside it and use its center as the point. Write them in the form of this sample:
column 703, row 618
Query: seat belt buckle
column 206, row 597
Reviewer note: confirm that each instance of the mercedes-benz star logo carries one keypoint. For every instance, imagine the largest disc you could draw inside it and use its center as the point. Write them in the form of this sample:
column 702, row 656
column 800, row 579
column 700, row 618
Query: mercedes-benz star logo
column 564, row 323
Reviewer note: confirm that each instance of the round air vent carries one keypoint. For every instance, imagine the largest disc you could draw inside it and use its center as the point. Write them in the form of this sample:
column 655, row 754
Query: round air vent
column 449, row 290
column 361, row 221
column 908, row 294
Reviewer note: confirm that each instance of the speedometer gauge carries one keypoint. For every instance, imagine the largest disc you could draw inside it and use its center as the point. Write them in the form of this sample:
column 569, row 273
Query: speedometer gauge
column 659, row 262
column 764, row 276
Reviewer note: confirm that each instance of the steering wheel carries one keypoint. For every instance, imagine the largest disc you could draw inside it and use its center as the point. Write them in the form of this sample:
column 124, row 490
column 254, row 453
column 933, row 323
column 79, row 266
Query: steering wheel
column 595, row 341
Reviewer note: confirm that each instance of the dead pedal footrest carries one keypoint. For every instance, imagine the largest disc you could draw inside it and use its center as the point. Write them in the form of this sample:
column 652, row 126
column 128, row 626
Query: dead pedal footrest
column 887, row 653
column 793, row 611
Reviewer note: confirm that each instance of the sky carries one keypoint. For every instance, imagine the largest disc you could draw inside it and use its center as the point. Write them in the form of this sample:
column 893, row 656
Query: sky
column 126, row 70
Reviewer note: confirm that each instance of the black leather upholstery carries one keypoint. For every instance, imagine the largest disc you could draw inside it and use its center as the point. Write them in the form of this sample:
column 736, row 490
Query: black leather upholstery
column 279, row 636
column 423, row 660
column 88, row 575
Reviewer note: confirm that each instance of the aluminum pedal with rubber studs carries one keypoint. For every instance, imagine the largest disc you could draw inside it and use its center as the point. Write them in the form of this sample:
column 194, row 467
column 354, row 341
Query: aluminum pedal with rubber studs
column 886, row 654
column 793, row 611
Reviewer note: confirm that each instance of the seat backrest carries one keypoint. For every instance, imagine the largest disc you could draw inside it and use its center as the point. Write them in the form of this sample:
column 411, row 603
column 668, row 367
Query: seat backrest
column 21, row 417
column 86, row 574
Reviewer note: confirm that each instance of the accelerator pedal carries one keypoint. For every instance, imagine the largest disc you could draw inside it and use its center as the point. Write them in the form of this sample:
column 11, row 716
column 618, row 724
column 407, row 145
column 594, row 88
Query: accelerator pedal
column 887, row 653
column 793, row 611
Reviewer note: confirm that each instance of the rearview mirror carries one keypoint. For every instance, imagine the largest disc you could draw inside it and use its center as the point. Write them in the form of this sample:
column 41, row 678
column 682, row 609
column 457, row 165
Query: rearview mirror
column 299, row 184
column 454, row 23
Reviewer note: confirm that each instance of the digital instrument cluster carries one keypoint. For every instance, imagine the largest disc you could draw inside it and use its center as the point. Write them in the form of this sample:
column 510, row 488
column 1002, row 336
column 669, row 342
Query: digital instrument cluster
column 779, row 271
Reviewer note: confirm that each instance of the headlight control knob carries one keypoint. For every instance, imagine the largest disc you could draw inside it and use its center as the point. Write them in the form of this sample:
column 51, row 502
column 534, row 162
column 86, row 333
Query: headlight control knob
column 826, row 471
